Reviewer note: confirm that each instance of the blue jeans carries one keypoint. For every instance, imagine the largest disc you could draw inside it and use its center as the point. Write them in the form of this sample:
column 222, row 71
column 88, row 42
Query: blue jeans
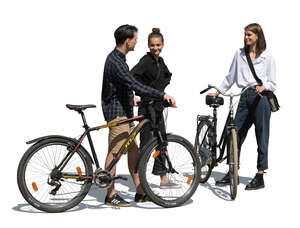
column 253, row 109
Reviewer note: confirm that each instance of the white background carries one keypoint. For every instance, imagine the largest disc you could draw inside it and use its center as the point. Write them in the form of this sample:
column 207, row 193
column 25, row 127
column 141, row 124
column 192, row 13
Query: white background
column 53, row 53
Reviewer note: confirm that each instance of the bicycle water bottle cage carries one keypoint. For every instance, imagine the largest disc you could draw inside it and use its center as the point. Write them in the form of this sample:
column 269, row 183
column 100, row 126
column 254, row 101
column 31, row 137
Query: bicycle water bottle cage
column 214, row 101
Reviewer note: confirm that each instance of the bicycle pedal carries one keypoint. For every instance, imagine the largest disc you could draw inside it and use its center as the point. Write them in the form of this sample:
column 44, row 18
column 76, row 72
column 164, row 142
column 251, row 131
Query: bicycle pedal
column 120, row 177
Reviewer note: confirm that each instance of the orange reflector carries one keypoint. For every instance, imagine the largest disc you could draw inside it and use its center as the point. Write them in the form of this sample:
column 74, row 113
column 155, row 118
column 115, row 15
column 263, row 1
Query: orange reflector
column 34, row 186
column 79, row 171
column 156, row 154
column 189, row 180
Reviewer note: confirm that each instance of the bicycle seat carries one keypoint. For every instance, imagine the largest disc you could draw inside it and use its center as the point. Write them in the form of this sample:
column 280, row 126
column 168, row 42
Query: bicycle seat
column 79, row 108
column 214, row 101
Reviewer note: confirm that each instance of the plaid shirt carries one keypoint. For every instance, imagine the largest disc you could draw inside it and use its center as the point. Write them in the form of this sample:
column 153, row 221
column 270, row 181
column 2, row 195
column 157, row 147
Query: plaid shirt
column 118, row 83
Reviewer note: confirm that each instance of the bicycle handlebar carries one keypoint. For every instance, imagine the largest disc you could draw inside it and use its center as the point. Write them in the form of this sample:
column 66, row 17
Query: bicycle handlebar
column 205, row 90
column 224, row 94
column 152, row 101
column 151, row 108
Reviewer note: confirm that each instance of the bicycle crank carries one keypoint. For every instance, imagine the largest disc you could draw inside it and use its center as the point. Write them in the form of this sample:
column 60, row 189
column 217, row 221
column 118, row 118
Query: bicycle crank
column 103, row 179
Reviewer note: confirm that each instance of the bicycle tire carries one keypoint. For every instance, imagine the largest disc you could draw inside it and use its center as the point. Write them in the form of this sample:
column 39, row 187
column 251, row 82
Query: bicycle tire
column 184, row 160
column 233, row 163
column 34, row 170
column 200, row 141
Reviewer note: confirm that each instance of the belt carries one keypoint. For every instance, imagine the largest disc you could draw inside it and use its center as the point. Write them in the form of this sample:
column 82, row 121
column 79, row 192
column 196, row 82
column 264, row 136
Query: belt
column 251, row 87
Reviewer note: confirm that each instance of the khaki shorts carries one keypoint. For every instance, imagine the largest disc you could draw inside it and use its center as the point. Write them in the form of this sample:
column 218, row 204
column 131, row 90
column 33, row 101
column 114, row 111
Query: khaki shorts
column 119, row 134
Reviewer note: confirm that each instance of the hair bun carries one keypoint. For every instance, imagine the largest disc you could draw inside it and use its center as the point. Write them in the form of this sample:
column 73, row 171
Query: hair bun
column 156, row 30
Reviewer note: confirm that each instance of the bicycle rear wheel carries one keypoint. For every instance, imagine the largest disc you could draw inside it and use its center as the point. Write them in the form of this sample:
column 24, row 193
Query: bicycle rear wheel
column 185, row 163
column 37, row 183
column 203, row 147
column 233, row 163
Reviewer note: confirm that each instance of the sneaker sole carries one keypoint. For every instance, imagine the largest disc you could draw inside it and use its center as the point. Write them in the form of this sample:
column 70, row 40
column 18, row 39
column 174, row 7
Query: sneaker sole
column 143, row 201
column 249, row 189
column 118, row 205
column 166, row 187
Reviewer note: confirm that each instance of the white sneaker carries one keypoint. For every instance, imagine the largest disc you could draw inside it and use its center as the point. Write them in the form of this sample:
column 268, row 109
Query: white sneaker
column 169, row 185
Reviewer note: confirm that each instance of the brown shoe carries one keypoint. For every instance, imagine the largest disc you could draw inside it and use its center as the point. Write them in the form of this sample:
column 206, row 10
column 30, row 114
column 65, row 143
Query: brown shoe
column 139, row 198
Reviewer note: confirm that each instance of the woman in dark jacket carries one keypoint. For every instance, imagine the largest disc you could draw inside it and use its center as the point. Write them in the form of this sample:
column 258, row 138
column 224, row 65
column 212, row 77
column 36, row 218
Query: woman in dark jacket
column 152, row 71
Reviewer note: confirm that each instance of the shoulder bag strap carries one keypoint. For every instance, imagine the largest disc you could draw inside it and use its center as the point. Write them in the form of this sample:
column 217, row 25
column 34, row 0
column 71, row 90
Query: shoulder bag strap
column 252, row 68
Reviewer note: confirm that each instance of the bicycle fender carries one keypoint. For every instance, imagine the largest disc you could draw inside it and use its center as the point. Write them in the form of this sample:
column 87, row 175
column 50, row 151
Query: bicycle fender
column 46, row 137
column 75, row 141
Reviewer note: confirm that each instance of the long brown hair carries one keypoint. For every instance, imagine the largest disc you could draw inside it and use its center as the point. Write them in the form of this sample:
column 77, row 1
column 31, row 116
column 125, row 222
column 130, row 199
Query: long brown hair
column 155, row 33
column 261, row 42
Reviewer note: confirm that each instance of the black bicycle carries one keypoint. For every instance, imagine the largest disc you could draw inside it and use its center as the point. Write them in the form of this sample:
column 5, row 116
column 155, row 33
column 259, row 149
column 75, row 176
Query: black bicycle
column 56, row 172
column 210, row 152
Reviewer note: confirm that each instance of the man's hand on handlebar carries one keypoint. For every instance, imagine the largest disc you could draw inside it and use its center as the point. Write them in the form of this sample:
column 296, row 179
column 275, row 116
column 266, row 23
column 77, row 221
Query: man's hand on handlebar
column 171, row 100
column 136, row 101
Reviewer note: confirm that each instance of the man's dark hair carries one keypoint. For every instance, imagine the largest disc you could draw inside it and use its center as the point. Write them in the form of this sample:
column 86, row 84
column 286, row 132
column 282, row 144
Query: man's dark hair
column 124, row 32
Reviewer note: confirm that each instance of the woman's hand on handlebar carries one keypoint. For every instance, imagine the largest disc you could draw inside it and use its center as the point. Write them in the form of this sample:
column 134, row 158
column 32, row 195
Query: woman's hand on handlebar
column 213, row 94
column 171, row 100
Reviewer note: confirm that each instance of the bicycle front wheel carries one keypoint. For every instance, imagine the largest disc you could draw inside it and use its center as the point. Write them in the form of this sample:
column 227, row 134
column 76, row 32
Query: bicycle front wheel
column 233, row 163
column 181, row 165
column 62, row 191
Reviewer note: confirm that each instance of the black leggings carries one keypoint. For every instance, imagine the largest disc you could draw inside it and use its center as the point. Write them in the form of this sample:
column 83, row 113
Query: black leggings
column 146, row 135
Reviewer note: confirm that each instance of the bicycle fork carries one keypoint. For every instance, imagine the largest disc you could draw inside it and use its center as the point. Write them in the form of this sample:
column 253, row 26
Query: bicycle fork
column 164, row 152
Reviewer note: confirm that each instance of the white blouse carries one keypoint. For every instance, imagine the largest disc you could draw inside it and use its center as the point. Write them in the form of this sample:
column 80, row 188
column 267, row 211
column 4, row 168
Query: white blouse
column 241, row 74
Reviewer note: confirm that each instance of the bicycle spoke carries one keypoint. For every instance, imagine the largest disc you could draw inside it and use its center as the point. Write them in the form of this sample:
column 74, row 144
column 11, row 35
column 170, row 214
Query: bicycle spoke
column 48, row 189
column 181, row 163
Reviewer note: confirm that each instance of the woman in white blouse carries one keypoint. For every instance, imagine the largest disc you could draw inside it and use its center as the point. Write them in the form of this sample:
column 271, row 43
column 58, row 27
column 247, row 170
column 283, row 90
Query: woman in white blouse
column 252, row 108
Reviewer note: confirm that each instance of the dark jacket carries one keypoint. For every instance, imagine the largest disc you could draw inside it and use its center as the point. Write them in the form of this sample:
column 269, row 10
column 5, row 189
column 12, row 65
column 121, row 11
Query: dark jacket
column 152, row 73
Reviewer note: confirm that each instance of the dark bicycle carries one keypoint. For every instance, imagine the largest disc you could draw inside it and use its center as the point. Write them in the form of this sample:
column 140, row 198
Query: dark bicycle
column 211, row 153
column 56, row 172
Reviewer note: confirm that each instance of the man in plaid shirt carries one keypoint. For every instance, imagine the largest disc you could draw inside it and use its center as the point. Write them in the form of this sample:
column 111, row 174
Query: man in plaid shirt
column 117, row 104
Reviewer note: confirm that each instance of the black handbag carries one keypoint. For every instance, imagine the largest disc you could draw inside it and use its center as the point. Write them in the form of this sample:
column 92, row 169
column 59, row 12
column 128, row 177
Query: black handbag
column 273, row 101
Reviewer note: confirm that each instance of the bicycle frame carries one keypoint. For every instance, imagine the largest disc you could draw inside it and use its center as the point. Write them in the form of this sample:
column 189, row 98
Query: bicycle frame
column 87, row 131
column 229, row 124
column 213, row 126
